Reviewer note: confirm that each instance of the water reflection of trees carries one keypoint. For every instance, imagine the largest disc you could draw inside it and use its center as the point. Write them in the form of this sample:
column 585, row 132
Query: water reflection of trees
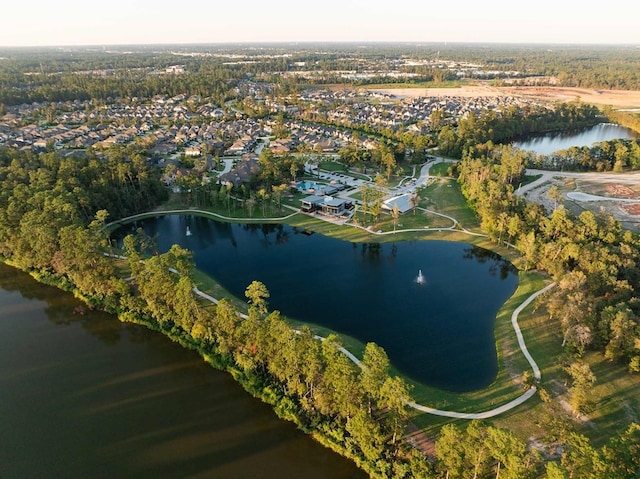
column 498, row 264
column 271, row 233
column 61, row 307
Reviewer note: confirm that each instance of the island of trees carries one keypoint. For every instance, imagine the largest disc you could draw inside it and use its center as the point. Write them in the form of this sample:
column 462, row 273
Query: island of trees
column 54, row 208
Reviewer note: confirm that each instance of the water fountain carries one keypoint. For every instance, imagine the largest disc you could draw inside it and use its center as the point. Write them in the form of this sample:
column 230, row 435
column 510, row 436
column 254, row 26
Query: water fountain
column 420, row 278
column 188, row 231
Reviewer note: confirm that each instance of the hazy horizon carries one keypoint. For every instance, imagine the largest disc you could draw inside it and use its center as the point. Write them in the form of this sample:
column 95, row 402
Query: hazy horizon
column 70, row 23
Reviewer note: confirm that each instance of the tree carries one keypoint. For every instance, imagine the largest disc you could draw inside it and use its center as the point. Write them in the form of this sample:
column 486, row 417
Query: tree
column 582, row 460
column 394, row 398
column 257, row 294
column 622, row 333
column 395, row 214
column 250, row 203
column 582, row 379
column 622, row 454
column 555, row 194
column 374, row 373
column 414, row 201
column 555, row 471
column 338, row 393
column 276, row 195
column 227, row 318
column 509, row 453
column 475, row 444
column 451, row 451
column 367, row 435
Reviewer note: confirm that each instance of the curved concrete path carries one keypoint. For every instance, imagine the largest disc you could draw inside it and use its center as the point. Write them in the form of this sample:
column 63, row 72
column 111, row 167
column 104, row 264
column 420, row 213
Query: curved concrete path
column 453, row 414
column 517, row 401
column 548, row 175
column 199, row 212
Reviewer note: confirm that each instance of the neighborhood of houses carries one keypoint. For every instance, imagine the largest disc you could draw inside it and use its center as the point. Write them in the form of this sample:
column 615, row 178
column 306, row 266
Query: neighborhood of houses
column 170, row 128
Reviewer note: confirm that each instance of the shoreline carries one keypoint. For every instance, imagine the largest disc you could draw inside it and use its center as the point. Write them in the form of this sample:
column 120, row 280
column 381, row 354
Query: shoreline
column 502, row 379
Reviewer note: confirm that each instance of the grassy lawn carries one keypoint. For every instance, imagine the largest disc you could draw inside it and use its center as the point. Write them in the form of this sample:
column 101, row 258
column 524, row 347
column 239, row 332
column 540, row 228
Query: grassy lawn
column 526, row 179
column 616, row 397
column 440, row 169
column 444, row 196
column 333, row 166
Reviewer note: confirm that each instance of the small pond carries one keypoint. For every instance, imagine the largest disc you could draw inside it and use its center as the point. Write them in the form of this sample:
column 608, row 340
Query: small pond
column 439, row 331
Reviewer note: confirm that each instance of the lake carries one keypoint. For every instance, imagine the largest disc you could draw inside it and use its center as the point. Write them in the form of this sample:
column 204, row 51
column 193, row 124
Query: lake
column 440, row 332
column 85, row 396
column 552, row 142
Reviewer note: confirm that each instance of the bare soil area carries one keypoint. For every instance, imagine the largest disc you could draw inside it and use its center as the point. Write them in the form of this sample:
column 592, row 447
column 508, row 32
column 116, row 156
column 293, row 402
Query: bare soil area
column 468, row 91
column 627, row 213
column 420, row 440
column 615, row 98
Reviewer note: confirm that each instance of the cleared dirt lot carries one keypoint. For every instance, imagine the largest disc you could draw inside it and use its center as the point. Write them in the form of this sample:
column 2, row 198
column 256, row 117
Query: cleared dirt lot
column 616, row 195
column 615, row 98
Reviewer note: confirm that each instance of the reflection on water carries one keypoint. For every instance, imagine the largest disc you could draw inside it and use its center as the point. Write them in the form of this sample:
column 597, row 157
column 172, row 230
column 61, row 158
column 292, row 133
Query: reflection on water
column 126, row 402
column 555, row 141
column 439, row 332
column 497, row 264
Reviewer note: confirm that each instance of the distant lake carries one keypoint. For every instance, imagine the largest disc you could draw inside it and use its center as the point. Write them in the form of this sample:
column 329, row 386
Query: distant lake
column 440, row 333
column 552, row 142
column 85, row 396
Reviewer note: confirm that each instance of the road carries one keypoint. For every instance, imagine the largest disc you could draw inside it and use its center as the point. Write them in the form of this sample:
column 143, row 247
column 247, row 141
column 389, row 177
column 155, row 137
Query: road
column 547, row 176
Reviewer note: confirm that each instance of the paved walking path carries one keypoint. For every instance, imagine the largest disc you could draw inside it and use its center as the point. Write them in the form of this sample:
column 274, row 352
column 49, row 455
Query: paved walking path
column 517, row 401
column 429, row 410
column 459, row 415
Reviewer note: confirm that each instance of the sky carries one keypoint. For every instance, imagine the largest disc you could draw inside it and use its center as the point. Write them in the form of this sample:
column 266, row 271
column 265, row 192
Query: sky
column 122, row 22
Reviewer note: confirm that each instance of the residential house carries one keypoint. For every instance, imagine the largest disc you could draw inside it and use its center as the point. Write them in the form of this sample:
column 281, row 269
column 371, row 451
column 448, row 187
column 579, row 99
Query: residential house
column 242, row 172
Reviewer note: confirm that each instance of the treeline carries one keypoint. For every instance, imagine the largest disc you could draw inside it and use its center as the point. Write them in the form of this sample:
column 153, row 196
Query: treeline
column 624, row 118
column 476, row 130
column 120, row 180
column 514, row 122
column 208, row 80
column 595, row 303
column 594, row 260
column 482, row 451
column 612, row 155
column 46, row 203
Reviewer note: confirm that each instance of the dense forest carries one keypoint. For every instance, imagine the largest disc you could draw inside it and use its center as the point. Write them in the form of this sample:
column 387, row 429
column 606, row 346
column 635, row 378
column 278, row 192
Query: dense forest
column 503, row 127
column 30, row 75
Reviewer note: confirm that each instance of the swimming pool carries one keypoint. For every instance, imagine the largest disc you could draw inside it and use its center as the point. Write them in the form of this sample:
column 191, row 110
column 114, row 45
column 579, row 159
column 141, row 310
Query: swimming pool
column 305, row 186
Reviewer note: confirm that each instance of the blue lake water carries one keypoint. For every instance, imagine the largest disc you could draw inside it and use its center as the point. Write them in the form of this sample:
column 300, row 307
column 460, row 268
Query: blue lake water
column 440, row 332
column 552, row 142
